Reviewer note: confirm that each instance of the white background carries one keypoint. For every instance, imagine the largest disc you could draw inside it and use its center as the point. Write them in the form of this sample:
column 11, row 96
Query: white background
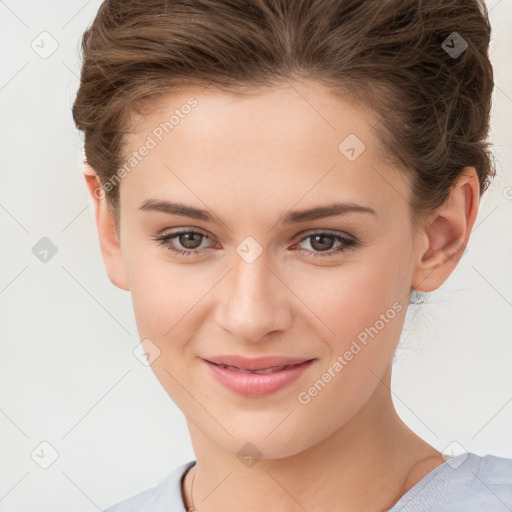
column 67, row 372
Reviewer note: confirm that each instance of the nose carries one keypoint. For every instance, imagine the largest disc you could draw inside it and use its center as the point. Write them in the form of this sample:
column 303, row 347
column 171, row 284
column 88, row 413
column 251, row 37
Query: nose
column 253, row 301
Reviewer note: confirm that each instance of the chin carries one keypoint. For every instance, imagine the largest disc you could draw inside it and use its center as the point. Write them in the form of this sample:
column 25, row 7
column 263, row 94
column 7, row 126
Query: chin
column 263, row 443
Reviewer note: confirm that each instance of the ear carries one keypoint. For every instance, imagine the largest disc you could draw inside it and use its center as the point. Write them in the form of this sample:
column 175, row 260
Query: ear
column 107, row 232
column 446, row 233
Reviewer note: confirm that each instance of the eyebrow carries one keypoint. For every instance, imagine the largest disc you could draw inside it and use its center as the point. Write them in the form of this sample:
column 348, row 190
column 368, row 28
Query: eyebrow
column 294, row 217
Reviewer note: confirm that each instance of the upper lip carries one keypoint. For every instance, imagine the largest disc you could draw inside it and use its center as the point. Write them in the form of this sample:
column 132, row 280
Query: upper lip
column 258, row 363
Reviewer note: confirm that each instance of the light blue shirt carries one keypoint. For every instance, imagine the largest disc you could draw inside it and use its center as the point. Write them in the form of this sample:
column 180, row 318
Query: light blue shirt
column 464, row 483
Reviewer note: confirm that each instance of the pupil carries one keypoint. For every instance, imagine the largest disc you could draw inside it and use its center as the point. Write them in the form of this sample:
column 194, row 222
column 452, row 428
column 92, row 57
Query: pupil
column 322, row 238
column 189, row 242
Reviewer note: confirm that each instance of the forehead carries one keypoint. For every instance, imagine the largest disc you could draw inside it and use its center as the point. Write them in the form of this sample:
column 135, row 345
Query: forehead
column 296, row 113
column 297, row 141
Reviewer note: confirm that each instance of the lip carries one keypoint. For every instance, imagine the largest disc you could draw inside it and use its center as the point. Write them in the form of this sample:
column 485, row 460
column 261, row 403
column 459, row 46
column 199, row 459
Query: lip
column 258, row 384
column 258, row 363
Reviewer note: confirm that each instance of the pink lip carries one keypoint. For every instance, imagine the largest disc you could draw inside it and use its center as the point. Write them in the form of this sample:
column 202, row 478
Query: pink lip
column 254, row 384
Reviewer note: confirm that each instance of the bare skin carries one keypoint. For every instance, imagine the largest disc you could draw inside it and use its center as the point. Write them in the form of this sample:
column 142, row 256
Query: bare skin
column 386, row 478
column 249, row 161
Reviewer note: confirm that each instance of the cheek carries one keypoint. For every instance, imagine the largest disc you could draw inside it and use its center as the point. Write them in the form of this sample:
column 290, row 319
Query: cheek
column 351, row 297
column 365, row 312
column 164, row 296
column 359, row 311
column 168, row 302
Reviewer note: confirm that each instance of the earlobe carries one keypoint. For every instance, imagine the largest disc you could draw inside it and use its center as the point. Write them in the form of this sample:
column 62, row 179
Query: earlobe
column 446, row 233
column 107, row 233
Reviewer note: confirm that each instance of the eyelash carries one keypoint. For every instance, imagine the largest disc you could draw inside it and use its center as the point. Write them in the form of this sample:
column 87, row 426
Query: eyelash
column 348, row 244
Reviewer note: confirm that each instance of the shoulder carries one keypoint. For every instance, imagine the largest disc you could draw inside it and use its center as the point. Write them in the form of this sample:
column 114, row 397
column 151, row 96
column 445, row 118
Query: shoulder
column 486, row 483
column 465, row 483
column 496, row 469
column 493, row 482
column 164, row 496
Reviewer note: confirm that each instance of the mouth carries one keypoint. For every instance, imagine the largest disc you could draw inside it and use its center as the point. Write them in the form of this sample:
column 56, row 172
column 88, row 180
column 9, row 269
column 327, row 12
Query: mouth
column 257, row 382
column 267, row 363
column 263, row 371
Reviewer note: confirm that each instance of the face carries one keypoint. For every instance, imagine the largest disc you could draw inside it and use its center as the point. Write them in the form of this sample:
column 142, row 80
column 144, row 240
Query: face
column 254, row 278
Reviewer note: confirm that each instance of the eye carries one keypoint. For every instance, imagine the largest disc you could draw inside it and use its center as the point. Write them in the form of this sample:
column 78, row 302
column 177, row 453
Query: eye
column 321, row 242
column 189, row 239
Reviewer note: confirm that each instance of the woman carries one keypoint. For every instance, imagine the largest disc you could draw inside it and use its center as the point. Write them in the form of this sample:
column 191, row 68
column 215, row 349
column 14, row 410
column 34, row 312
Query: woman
column 272, row 180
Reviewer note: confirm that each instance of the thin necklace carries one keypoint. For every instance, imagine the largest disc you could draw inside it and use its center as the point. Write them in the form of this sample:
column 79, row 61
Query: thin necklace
column 192, row 508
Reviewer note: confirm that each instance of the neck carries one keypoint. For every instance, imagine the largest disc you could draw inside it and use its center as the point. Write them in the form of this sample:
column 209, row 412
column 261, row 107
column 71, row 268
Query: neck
column 367, row 464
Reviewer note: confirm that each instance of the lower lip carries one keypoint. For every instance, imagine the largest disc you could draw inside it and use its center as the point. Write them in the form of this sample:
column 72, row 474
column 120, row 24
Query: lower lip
column 256, row 384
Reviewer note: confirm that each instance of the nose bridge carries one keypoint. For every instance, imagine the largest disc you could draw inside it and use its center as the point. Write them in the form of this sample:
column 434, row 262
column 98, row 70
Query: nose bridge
column 252, row 303
column 250, row 280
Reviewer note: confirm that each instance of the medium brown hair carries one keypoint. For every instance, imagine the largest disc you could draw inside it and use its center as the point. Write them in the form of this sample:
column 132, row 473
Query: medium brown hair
column 432, row 107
